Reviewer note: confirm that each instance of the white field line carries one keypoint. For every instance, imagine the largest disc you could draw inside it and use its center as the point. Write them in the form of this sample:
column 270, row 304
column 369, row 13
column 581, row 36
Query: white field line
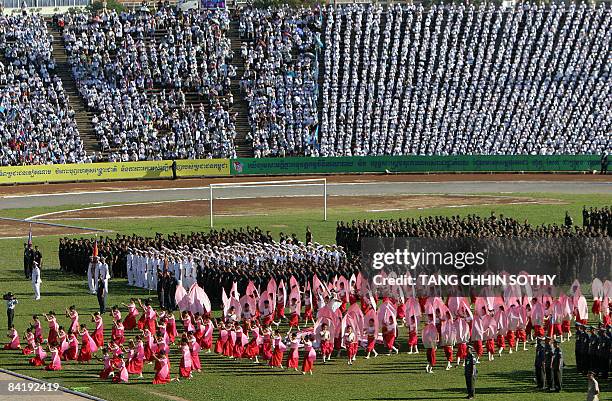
column 203, row 188
column 200, row 188
column 44, row 215
column 458, row 206
column 149, row 217
column 57, row 235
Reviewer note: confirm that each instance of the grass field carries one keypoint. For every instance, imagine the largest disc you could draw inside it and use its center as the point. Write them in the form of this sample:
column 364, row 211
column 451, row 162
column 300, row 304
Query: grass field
column 508, row 378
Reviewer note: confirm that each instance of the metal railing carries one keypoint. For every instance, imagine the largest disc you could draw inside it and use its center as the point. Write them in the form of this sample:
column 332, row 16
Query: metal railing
column 43, row 3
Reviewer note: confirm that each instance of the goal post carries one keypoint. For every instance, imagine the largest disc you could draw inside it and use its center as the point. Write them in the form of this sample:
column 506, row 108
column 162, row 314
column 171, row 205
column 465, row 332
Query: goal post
column 259, row 184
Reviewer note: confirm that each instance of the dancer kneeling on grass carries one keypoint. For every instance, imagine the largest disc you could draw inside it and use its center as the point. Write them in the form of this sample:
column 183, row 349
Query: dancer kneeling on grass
column 13, row 339
column 56, row 363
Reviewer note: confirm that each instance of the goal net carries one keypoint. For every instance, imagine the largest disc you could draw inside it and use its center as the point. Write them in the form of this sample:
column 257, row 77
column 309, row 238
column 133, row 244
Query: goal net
column 268, row 189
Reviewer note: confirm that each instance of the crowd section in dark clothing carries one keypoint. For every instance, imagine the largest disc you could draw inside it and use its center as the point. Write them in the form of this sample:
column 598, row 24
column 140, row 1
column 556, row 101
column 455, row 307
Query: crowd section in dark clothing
column 598, row 220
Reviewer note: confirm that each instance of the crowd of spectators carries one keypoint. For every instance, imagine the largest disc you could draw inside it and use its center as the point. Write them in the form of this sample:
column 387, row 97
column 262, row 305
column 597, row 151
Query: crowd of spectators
column 455, row 79
column 37, row 124
column 280, row 79
column 135, row 70
column 397, row 80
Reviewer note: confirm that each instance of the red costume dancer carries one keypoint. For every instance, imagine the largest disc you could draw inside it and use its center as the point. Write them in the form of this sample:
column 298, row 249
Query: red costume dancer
column 136, row 357
column 326, row 345
column 252, row 349
column 13, row 343
column 162, row 369
column 52, row 338
column 56, row 363
column 130, row 322
column 278, row 350
column 186, row 362
column 72, row 353
column 194, row 350
column 309, row 356
column 30, row 341
column 39, row 356
column 88, row 346
column 98, row 334
column 266, row 345
column 293, row 359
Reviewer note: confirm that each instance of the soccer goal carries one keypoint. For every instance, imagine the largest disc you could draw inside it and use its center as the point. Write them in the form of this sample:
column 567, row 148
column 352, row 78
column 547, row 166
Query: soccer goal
column 265, row 189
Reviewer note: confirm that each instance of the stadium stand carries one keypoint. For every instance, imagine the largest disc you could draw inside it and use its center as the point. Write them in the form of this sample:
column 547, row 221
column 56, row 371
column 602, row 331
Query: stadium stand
column 158, row 82
column 37, row 124
column 466, row 80
column 351, row 80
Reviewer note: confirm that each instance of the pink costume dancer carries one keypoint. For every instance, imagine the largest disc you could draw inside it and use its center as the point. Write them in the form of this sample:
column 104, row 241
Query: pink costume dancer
column 148, row 341
column 107, row 360
column 252, row 349
column 88, row 346
column 277, row 353
column 309, row 357
column 162, row 370
column 171, row 327
column 53, row 328
column 326, row 345
column 241, row 341
column 14, row 340
column 74, row 320
column 293, row 360
column 37, row 327
column 130, row 322
column 136, row 359
column 194, row 349
column 31, row 343
column 162, row 328
column 150, row 318
column 118, row 332
column 72, row 353
column 350, row 342
column 39, row 356
column 56, row 363
column 187, row 323
column 122, row 376
column 98, row 334
column 186, row 362
column 207, row 337
column 266, row 345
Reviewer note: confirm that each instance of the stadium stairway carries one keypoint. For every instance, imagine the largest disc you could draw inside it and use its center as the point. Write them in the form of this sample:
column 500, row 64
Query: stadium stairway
column 244, row 147
column 64, row 72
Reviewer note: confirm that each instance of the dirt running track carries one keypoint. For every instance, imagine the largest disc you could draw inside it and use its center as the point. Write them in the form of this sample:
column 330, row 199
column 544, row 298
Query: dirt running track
column 197, row 182
column 189, row 197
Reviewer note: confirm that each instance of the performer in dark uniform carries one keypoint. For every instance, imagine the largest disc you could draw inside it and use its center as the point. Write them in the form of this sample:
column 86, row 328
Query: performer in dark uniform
column 557, row 367
column 471, row 373
column 539, row 364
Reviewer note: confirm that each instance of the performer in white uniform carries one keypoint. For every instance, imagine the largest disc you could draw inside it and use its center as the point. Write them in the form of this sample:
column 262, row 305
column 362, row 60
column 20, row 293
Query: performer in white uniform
column 36, row 281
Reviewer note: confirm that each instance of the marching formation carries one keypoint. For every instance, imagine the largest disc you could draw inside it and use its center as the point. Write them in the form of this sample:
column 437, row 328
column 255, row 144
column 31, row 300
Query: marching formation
column 325, row 320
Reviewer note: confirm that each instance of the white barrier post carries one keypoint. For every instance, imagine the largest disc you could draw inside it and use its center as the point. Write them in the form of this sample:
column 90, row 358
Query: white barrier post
column 325, row 199
column 211, row 205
